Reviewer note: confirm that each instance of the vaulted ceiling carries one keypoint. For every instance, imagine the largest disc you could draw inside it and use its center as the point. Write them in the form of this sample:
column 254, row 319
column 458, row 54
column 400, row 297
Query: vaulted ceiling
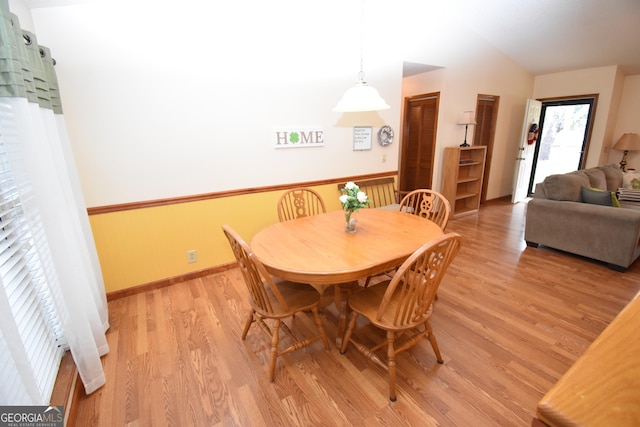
column 546, row 36
column 543, row 36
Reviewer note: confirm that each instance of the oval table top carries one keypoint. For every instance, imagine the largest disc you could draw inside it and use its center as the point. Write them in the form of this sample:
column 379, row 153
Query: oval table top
column 317, row 250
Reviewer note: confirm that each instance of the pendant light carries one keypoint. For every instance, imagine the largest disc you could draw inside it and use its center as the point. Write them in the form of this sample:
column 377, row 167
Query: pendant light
column 361, row 97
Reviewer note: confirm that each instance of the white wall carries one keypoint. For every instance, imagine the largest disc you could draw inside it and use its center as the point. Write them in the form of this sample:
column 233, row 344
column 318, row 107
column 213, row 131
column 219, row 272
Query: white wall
column 628, row 120
column 475, row 68
column 601, row 81
column 22, row 11
column 165, row 99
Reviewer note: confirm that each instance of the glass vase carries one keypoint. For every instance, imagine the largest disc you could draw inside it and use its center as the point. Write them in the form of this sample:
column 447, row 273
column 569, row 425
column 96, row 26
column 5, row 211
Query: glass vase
column 350, row 224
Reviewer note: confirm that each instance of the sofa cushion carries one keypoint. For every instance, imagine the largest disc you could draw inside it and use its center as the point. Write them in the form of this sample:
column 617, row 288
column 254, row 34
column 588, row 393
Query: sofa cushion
column 565, row 186
column 613, row 175
column 597, row 178
column 596, row 196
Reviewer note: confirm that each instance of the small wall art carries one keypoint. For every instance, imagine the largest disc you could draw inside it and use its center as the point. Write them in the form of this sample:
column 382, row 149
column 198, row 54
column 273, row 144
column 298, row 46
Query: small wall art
column 362, row 138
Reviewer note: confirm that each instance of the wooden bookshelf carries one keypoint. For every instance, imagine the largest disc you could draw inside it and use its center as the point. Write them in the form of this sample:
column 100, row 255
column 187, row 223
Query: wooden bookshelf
column 462, row 178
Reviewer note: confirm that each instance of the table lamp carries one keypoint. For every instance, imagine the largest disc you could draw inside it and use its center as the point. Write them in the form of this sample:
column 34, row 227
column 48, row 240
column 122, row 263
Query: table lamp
column 467, row 119
column 627, row 142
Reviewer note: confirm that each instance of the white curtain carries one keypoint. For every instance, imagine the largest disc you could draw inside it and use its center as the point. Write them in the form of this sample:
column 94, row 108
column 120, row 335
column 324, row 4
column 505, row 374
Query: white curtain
column 43, row 161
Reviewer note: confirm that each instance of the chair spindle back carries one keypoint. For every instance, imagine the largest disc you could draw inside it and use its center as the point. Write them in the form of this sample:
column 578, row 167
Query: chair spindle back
column 300, row 202
column 417, row 280
column 254, row 273
column 428, row 204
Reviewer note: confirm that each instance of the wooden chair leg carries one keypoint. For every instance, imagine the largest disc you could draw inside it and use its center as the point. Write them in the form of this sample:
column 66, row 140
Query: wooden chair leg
column 434, row 343
column 342, row 293
column 274, row 349
column 248, row 323
column 323, row 333
column 391, row 363
column 347, row 335
column 366, row 282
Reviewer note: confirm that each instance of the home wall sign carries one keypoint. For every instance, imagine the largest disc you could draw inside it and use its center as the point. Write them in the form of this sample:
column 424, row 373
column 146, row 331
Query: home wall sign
column 295, row 137
column 362, row 138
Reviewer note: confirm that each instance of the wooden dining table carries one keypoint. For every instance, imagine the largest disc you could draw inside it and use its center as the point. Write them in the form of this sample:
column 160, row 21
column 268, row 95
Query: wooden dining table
column 317, row 250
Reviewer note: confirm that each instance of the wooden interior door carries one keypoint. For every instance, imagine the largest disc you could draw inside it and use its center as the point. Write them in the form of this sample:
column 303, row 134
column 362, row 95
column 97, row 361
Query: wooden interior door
column 418, row 141
column 486, row 116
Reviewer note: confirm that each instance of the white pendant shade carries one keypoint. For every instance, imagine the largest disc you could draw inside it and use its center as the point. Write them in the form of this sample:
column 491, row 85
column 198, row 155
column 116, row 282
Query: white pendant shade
column 361, row 97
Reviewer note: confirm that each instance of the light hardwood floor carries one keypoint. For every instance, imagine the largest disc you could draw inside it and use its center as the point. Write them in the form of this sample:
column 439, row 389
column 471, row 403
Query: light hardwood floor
column 509, row 320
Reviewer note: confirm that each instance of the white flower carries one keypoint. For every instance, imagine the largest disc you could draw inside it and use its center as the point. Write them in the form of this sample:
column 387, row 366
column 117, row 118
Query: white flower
column 352, row 198
column 350, row 185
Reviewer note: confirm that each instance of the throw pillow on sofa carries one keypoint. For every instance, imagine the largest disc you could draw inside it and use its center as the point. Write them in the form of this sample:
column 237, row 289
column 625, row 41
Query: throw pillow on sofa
column 630, row 180
column 595, row 196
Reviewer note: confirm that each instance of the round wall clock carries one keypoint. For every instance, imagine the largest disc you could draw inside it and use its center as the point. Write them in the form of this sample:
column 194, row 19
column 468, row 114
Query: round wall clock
column 385, row 135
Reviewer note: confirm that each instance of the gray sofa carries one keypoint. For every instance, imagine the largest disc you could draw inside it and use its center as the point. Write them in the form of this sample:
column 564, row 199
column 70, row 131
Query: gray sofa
column 566, row 213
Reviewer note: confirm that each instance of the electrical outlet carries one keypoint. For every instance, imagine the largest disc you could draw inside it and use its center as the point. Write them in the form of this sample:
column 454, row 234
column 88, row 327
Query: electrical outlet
column 384, row 158
column 192, row 256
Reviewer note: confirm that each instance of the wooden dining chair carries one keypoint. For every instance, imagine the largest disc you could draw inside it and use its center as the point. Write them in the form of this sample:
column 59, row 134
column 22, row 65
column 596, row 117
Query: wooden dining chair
column 274, row 300
column 403, row 305
column 299, row 202
column 428, row 204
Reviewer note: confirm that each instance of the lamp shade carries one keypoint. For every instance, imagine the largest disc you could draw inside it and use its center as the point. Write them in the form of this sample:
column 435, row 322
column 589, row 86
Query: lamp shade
column 361, row 97
column 467, row 118
column 628, row 142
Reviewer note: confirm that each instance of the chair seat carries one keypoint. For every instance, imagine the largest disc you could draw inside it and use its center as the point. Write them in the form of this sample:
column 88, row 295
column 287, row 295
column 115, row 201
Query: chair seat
column 367, row 302
column 299, row 297
column 396, row 207
column 392, row 207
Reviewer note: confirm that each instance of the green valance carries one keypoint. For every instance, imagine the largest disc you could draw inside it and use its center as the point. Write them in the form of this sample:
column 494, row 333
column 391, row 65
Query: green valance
column 26, row 68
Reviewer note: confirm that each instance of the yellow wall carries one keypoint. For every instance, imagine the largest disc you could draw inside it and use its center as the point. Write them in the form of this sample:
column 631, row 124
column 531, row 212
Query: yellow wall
column 141, row 246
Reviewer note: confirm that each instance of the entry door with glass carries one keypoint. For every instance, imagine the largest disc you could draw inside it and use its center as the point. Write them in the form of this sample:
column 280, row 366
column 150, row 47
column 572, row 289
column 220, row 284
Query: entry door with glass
column 564, row 137
column 562, row 143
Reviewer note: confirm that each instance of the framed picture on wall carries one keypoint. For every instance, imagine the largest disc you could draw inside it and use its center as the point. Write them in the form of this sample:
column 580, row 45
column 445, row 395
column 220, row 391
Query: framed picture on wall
column 362, row 138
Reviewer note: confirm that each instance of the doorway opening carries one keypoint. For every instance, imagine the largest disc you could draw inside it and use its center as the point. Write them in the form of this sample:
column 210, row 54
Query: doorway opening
column 565, row 130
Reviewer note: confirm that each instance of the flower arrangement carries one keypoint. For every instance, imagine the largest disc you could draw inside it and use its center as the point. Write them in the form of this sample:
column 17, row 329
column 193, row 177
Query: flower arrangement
column 352, row 199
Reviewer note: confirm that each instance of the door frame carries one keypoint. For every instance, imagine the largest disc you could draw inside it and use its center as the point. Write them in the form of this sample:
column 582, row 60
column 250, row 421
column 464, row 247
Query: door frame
column 406, row 134
column 492, row 133
column 566, row 100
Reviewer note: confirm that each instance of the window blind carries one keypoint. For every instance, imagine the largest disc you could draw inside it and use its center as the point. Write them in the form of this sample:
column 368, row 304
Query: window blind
column 27, row 306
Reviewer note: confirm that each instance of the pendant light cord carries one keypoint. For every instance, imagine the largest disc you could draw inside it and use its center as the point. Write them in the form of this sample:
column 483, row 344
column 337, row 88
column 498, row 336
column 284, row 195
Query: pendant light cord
column 361, row 73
